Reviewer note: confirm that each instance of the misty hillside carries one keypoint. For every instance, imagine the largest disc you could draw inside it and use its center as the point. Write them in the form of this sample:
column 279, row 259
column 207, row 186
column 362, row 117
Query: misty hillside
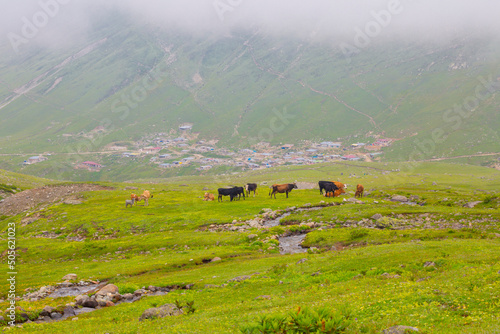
column 128, row 79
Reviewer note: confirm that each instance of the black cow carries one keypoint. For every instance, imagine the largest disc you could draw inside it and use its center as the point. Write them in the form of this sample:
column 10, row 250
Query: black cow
column 330, row 188
column 251, row 187
column 324, row 184
column 231, row 192
column 241, row 192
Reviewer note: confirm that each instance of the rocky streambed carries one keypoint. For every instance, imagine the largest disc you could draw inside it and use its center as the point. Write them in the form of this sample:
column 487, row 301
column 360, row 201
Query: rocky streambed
column 89, row 296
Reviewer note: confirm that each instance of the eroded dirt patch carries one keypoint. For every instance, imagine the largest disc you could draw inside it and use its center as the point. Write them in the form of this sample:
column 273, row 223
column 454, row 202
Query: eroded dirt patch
column 29, row 199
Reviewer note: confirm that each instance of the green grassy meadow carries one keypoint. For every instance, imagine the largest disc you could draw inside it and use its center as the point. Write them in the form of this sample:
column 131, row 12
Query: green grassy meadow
column 370, row 278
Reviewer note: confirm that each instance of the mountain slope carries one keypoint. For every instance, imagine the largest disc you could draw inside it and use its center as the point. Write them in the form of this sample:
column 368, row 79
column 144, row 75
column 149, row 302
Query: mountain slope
column 129, row 80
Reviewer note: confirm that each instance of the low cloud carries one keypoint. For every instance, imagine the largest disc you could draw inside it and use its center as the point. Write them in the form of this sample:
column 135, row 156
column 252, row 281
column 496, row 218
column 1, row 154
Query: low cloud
column 59, row 21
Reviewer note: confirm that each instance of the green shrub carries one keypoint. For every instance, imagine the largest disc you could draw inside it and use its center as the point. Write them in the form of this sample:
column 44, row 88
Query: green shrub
column 304, row 320
column 358, row 233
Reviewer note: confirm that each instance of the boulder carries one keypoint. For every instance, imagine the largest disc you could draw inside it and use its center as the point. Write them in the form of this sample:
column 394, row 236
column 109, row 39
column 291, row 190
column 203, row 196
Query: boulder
column 46, row 311
column 56, row 315
column 399, row 198
column 69, row 311
column 90, row 302
column 128, row 296
column 166, row 310
column 139, row 292
column 70, row 277
column 376, row 216
column 110, row 288
column 215, row 259
column 80, row 299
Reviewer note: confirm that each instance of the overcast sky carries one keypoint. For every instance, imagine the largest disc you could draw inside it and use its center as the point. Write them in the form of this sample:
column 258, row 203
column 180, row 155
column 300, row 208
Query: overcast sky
column 62, row 20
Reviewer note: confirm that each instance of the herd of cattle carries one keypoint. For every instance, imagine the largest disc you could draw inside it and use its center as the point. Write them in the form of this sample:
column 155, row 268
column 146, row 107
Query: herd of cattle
column 331, row 188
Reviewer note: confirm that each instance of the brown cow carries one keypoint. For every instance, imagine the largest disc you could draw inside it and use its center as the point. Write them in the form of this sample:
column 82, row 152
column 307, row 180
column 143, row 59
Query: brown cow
column 283, row 188
column 209, row 197
column 359, row 190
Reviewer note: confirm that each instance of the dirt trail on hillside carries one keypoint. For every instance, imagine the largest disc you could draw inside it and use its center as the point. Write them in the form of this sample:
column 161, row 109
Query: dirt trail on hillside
column 29, row 199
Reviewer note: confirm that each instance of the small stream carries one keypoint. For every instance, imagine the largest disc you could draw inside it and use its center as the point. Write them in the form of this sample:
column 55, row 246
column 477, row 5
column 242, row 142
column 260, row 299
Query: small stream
column 74, row 290
column 290, row 244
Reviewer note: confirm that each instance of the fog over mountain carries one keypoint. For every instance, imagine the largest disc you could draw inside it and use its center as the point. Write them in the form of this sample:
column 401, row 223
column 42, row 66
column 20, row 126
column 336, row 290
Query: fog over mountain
column 59, row 22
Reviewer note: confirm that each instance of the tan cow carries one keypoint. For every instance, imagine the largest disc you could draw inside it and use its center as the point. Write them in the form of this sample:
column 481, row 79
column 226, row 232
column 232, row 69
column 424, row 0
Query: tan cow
column 146, row 195
column 208, row 197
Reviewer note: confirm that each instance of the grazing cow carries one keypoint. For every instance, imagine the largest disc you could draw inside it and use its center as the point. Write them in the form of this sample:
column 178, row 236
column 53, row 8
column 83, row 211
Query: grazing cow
column 283, row 188
column 324, row 184
column 209, row 197
column 336, row 193
column 146, row 195
column 330, row 188
column 129, row 202
column 241, row 192
column 251, row 187
column 359, row 190
column 135, row 198
column 231, row 192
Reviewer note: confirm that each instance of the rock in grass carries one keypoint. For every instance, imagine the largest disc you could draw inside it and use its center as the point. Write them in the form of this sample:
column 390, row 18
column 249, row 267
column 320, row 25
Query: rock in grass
column 167, row 310
column 376, row 216
column 215, row 259
column 429, row 264
column 399, row 198
column 46, row 311
column 252, row 236
column 471, row 205
column 301, row 261
column 70, row 277
column 240, row 278
column 400, row 330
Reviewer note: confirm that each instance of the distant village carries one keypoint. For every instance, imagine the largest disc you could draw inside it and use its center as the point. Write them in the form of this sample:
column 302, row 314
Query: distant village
column 181, row 149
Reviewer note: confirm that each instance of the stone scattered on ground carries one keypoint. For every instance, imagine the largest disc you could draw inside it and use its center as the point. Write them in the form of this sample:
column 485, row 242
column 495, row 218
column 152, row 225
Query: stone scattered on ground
column 400, row 330
column 240, row 278
column 70, row 277
column 471, row 205
column 166, row 310
column 399, row 198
